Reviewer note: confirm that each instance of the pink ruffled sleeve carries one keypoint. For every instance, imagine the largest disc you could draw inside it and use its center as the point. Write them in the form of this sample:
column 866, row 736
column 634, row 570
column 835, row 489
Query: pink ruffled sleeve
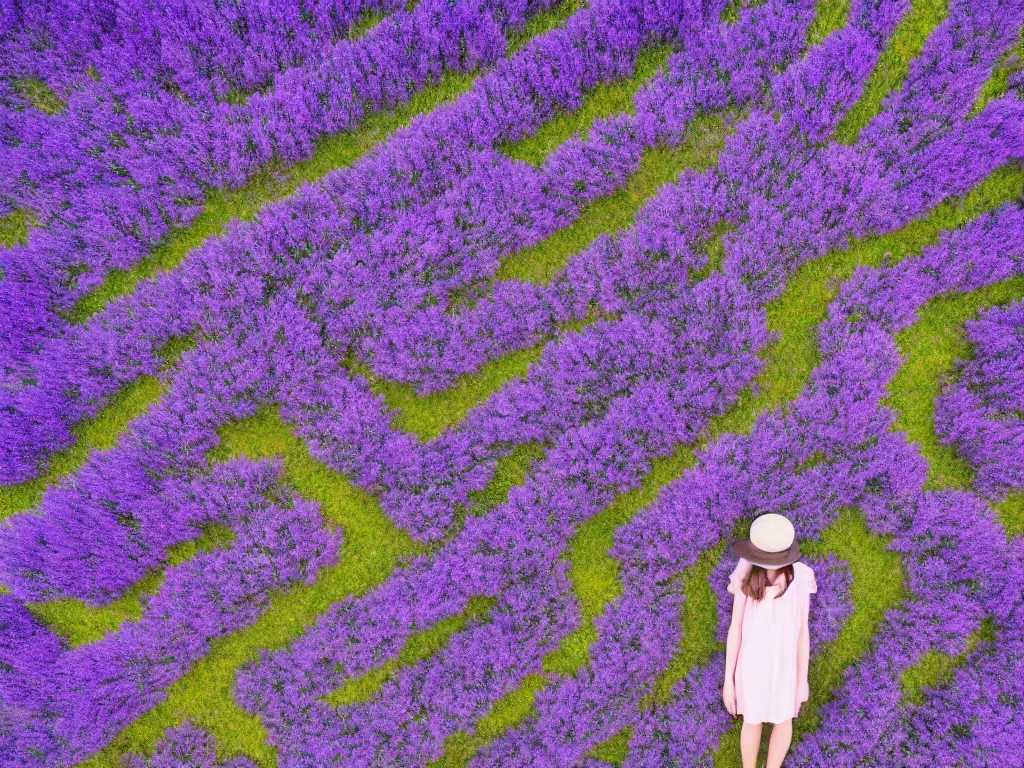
column 739, row 573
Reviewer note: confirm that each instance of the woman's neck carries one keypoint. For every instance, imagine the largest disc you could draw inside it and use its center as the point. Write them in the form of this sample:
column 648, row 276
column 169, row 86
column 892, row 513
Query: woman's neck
column 772, row 573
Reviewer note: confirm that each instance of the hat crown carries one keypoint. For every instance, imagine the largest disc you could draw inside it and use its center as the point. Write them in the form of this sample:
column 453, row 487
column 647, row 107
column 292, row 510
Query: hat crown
column 772, row 532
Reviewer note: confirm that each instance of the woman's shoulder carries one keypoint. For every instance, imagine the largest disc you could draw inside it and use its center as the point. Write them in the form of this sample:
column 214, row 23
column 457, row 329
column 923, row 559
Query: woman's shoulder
column 804, row 574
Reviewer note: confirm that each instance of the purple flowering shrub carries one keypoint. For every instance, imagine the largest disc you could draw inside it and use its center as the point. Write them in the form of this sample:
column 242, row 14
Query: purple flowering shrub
column 371, row 264
column 982, row 413
column 185, row 747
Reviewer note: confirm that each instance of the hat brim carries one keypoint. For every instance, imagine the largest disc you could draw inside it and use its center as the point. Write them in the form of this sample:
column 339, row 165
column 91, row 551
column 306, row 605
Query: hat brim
column 749, row 552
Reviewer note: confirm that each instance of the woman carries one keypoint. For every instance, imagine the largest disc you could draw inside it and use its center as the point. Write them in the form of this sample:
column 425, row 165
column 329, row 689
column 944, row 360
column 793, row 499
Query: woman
column 768, row 646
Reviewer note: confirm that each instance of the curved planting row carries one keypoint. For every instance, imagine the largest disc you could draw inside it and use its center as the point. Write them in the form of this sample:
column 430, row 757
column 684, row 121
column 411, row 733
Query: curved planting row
column 981, row 414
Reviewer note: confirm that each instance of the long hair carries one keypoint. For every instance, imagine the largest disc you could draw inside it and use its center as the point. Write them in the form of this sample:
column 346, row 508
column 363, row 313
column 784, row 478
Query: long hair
column 756, row 583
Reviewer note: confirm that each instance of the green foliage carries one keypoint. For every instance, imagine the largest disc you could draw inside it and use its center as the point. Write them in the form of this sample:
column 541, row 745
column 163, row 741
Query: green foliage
column 14, row 228
column 40, row 95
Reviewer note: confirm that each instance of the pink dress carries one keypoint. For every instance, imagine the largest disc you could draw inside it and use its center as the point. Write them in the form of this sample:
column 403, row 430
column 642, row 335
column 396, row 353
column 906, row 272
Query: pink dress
column 771, row 668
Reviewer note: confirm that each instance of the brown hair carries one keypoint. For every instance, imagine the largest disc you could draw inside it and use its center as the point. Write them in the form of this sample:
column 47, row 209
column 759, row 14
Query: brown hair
column 756, row 583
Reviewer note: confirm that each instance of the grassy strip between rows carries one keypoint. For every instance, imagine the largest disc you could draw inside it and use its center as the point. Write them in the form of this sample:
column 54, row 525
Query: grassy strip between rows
column 998, row 84
column 930, row 349
column 829, row 16
column 419, row 647
column 14, row 227
column 275, row 181
column 40, row 95
column 893, row 65
column 602, row 101
column 96, row 434
column 659, row 165
column 80, row 624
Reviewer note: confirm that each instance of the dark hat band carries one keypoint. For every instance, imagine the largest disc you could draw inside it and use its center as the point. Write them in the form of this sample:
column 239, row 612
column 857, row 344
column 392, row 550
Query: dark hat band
column 749, row 552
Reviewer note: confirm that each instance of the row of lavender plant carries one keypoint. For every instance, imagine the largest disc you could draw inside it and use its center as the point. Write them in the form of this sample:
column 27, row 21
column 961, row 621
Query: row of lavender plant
column 186, row 747
column 981, row 412
column 75, row 373
column 196, row 49
column 59, row 705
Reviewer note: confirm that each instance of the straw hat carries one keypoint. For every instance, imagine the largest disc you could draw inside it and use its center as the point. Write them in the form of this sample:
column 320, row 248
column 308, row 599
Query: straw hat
column 772, row 542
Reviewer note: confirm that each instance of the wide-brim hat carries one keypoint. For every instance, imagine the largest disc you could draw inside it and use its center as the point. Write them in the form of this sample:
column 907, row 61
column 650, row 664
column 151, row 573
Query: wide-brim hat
column 772, row 542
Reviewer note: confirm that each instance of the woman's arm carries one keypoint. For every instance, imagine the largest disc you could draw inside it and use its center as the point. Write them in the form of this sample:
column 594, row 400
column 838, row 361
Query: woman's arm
column 732, row 643
column 732, row 651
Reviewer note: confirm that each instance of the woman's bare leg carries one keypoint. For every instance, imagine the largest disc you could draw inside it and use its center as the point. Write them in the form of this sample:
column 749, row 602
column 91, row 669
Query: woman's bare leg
column 750, row 744
column 778, row 744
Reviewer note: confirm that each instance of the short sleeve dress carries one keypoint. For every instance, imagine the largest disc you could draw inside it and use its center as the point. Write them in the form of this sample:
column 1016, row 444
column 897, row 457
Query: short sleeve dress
column 771, row 668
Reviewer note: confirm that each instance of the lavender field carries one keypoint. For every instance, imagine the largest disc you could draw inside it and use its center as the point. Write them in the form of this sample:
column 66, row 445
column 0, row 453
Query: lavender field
column 383, row 382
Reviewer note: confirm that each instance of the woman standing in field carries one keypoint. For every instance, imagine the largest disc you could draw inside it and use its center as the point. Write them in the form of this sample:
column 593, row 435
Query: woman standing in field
column 768, row 646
